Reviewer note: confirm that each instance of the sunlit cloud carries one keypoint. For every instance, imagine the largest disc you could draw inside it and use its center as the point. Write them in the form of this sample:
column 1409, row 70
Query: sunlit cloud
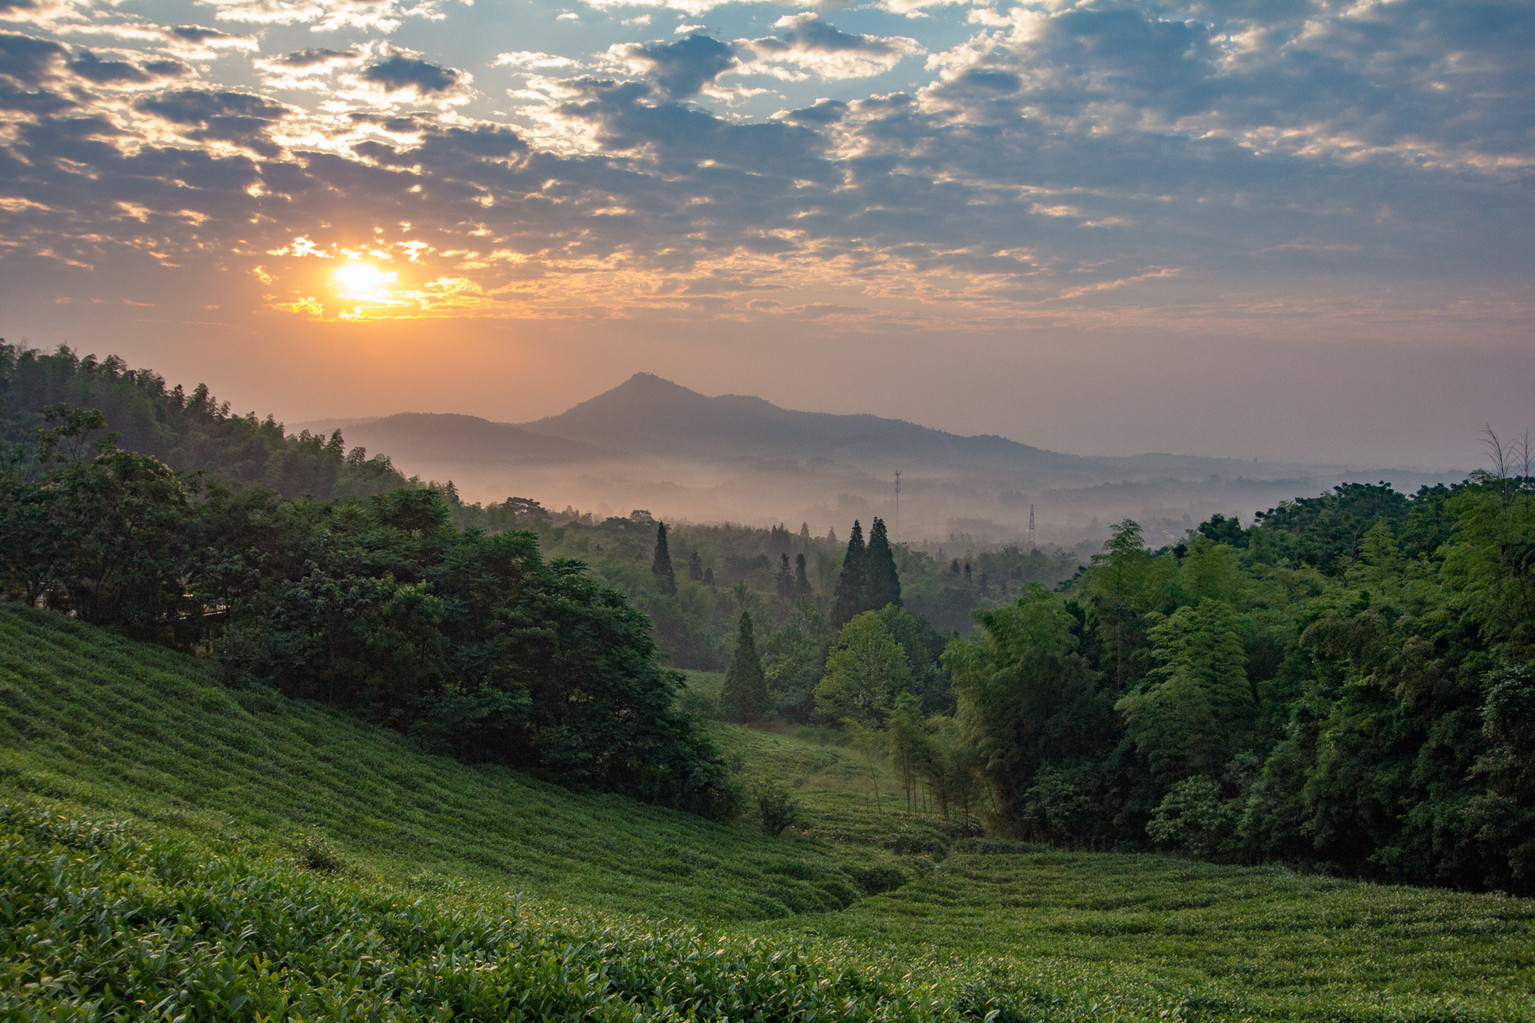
column 808, row 46
column 677, row 69
column 1026, row 159
column 330, row 15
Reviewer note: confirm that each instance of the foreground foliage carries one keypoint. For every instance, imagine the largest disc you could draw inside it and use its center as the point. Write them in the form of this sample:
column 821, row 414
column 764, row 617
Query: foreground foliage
column 112, row 925
column 136, row 730
column 216, row 853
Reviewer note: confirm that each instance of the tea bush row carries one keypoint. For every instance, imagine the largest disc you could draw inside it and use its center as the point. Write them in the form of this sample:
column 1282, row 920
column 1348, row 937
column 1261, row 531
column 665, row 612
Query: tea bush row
column 98, row 922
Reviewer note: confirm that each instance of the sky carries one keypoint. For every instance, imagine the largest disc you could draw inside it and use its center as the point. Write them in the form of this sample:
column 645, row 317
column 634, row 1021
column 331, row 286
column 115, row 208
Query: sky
column 1288, row 229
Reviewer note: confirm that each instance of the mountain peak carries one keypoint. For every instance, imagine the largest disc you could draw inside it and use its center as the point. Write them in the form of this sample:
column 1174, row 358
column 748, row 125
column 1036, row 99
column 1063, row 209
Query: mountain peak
column 650, row 383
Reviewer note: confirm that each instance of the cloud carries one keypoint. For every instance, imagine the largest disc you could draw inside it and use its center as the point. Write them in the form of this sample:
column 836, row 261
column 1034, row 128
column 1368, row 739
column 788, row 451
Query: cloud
column 304, row 60
column 680, row 69
column 35, row 11
column 200, row 106
column 25, row 60
column 399, row 73
column 1438, row 84
column 206, row 42
column 123, row 73
column 809, row 45
column 1094, row 155
column 915, row 8
column 535, row 59
column 330, row 15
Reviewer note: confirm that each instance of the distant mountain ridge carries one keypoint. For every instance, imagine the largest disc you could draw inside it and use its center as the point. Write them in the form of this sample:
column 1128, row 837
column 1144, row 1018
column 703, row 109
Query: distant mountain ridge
column 654, row 444
column 650, row 415
column 470, row 439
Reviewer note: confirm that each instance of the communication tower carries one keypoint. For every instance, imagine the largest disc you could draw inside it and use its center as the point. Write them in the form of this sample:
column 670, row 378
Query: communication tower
column 1032, row 544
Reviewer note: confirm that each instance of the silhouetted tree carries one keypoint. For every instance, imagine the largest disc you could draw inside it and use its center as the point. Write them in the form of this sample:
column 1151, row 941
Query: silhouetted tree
column 785, row 581
column 661, row 567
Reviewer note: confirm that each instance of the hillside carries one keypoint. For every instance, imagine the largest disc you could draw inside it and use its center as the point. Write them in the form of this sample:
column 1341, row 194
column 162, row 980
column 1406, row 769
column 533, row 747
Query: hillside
column 279, row 833
column 446, row 437
column 133, row 729
column 191, row 432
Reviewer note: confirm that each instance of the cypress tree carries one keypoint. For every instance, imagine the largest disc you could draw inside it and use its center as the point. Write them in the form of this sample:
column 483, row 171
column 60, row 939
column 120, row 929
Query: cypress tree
column 801, row 580
column 881, row 584
column 744, row 696
column 661, row 567
column 848, row 600
column 785, row 582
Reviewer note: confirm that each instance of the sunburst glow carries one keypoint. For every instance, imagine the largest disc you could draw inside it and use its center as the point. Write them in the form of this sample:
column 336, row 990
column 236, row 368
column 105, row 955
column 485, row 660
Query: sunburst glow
column 365, row 282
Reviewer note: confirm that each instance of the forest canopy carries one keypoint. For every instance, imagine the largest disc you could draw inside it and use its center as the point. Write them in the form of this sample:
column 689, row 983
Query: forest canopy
column 1348, row 682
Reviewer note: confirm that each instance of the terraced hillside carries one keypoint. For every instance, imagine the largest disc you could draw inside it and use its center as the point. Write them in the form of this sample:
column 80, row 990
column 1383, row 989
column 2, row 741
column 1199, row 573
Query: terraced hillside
column 169, row 846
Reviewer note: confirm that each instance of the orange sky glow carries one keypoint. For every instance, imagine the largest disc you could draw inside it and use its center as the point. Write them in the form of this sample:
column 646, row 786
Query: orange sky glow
column 1260, row 231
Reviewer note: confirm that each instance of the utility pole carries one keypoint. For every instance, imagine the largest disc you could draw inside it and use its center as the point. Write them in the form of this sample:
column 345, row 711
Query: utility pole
column 898, row 502
column 1032, row 544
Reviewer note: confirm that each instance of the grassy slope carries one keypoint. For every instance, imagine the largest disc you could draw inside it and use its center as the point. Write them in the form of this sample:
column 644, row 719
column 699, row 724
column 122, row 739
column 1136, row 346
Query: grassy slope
column 115, row 726
column 134, row 732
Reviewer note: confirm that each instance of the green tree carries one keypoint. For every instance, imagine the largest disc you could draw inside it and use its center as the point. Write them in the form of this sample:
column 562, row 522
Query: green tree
column 801, row 580
column 796, row 659
column 881, row 582
column 848, row 599
column 744, row 696
column 864, row 671
column 785, row 581
column 1028, row 701
column 661, row 565
column 909, row 748
column 924, row 646
column 1114, row 592
column 953, row 768
column 1198, row 709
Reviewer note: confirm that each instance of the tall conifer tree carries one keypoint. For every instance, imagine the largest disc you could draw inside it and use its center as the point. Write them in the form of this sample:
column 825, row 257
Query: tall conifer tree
column 744, row 696
column 881, row 583
column 785, row 582
column 848, row 600
column 661, row 567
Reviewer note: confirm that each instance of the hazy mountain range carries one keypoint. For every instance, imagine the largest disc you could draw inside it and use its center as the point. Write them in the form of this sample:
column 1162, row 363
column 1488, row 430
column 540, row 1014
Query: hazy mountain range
column 650, row 443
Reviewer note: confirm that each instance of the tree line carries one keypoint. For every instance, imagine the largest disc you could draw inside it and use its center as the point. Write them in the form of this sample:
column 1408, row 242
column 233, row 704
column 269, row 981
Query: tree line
column 189, row 432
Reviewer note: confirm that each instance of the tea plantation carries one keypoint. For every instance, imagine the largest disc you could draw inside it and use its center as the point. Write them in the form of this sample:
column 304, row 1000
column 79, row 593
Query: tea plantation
column 170, row 848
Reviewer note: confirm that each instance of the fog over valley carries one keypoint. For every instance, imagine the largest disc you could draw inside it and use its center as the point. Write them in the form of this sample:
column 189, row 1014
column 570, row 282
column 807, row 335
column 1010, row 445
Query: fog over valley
column 651, row 444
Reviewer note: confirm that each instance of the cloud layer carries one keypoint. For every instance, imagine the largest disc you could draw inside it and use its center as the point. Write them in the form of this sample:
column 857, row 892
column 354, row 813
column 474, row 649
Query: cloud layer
column 1357, row 168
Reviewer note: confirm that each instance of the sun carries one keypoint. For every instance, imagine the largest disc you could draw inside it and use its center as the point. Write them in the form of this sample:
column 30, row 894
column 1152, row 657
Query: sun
column 356, row 279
